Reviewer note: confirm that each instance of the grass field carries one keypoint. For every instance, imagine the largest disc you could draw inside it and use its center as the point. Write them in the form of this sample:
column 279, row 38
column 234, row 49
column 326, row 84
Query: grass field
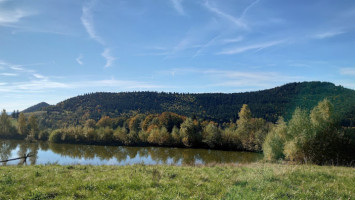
column 250, row 181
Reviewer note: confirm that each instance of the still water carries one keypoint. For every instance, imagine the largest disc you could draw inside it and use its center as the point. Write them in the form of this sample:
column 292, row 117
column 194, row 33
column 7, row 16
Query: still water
column 69, row 154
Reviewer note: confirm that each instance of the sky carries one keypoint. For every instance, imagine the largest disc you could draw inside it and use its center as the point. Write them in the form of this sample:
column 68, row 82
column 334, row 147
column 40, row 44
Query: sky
column 51, row 50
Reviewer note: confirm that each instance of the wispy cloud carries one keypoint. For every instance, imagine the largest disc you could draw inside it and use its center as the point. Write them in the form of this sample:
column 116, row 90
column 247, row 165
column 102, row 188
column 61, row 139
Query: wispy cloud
column 43, row 85
column 88, row 23
column 257, row 47
column 31, row 86
column 179, row 71
column 13, row 16
column 79, row 59
column 178, row 6
column 245, row 11
column 241, row 74
column 122, row 84
column 17, row 68
column 8, row 74
column 23, row 71
column 205, row 46
column 347, row 71
column 34, row 82
column 261, row 79
column 232, row 40
column 109, row 58
column 233, row 80
column 183, row 44
column 328, row 34
column 39, row 76
column 236, row 21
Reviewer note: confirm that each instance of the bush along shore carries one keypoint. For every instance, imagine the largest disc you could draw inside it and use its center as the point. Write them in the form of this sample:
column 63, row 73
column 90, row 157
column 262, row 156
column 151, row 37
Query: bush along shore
column 308, row 137
column 250, row 181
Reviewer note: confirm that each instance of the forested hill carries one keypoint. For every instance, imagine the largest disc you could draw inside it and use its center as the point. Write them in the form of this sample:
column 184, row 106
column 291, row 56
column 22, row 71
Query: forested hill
column 220, row 107
column 36, row 107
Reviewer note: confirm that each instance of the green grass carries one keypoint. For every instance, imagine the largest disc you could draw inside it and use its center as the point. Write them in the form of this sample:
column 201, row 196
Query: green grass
column 251, row 181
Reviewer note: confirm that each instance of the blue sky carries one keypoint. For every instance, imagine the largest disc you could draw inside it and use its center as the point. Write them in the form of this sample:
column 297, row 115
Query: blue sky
column 51, row 50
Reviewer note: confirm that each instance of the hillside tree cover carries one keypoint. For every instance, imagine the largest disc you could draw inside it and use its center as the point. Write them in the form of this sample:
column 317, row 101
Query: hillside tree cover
column 308, row 136
column 218, row 107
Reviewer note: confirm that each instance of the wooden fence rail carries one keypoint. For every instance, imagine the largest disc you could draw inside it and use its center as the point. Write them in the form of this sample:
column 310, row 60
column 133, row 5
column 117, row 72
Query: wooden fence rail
column 23, row 157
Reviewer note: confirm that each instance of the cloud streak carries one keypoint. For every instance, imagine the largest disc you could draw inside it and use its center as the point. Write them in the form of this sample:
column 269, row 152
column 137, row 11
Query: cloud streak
column 245, row 11
column 232, row 40
column 109, row 58
column 88, row 23
column 43, row 85
column 236, row 21
column 242, row 80
column 233, row 80
column 203, row 47
column 39, row 76
column 79, row 59
column 33, row 82
column 258, row 47
column 328, row 34
column 178, row 6
column 347, row 71
column 14, row 16
column 8, row 74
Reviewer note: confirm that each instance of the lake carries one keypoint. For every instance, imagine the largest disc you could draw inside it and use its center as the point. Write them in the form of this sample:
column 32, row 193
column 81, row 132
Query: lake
column 70, row 154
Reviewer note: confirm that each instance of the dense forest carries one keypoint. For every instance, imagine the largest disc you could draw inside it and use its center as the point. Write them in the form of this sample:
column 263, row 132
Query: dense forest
column 218, row 107
column 314, row 133
column 36, row 107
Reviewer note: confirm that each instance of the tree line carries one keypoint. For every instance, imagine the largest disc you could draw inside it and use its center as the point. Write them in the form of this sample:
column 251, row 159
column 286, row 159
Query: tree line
column 218, row 107
column 165, row 129
column 314, row 136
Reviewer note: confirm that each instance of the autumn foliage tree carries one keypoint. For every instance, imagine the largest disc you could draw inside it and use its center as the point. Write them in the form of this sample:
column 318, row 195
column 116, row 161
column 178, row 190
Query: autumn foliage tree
column 312, row 137
column 33, row 126
column 6, row 128
column 22, row 125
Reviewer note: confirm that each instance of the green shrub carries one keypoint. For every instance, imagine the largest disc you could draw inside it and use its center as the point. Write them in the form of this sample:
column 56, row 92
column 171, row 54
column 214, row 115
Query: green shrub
column 273, row 146
column 56, row 136
column 212, row 135
column 316, row 138
column 43, row 135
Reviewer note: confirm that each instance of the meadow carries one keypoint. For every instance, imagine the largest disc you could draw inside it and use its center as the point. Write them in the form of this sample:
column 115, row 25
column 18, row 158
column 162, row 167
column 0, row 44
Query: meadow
column 245, row 181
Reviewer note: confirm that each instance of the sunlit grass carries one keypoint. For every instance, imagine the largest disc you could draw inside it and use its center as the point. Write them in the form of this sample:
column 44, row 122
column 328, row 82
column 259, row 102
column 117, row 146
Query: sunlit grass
column 251, row 181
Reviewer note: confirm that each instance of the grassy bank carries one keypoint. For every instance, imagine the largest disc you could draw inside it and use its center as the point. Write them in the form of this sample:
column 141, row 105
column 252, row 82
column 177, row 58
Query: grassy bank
column 252, row 181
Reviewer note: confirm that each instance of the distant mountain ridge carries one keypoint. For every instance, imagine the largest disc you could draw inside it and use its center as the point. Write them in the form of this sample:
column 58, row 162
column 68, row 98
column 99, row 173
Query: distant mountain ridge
column 37, row 107
column 220, row 107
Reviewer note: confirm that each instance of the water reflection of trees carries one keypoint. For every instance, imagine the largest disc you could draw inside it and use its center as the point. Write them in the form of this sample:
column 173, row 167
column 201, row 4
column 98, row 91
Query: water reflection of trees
column 154, row 155
column 8, row 146
column 5, row 149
